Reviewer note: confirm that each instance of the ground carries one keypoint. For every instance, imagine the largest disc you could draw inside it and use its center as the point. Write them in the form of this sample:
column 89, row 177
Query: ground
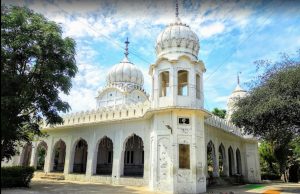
column 46, row 186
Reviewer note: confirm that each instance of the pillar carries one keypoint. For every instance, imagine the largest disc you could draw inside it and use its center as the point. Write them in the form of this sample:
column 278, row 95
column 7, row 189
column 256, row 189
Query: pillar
column 91, row 157
column 33, row 157
column 69, row 157
column 118, row 161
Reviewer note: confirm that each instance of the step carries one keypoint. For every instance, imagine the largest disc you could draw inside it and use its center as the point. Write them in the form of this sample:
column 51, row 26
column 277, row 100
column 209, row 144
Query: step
column 53, row 176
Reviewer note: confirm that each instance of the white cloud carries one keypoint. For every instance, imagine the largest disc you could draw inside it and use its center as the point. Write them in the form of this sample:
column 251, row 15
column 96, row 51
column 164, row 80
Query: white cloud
column 210, row 30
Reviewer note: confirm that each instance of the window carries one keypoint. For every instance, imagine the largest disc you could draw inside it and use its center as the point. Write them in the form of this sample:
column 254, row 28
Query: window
column 183, row 83
column 109, row 157
column 129, row 155
column 184, row 156
column 198, row 95
column 164, row 84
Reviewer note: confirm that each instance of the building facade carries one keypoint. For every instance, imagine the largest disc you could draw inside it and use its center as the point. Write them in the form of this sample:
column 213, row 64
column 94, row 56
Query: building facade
column 167, row 142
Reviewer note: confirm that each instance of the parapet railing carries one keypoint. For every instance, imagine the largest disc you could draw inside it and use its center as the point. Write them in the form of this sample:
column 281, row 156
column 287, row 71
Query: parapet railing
column 105, row 114
column 224, row 124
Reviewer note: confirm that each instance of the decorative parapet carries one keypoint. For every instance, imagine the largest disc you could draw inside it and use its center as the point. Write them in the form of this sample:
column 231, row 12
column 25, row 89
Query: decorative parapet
column 104, row 114
column 224, row 124
column 124, row 87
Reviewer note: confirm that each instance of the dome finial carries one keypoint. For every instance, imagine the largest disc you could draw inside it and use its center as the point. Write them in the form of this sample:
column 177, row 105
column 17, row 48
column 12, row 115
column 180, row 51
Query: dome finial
column 126, row 47
column 238, row 78
column 177, row 10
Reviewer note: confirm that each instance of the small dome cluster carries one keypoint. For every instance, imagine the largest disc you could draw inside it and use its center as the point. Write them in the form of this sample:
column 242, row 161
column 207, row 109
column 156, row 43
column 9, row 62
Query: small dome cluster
column 125, row 72
column 177, row 37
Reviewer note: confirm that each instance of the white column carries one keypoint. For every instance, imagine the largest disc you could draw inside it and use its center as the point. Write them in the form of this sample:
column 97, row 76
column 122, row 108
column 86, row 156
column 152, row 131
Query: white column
column 118, row 160
column 69, row 157
column 91, row 156
column 216, row 160
column 33, row 157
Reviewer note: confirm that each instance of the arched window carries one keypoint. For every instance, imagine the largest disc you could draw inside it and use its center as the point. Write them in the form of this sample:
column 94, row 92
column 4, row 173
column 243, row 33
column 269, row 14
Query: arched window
column 59, row 156
column 183, row 83
column 134, row 157
column 104, row 157
column 164, row 84
column 198, row 94
column 80, row 156
column 238, row 162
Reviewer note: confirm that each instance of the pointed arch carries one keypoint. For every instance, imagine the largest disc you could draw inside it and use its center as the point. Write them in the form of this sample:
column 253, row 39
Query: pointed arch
column 231, row 161
column 26, row 155
column 40, row 155
column 238, row 162
column 133, row 156
column 104, row 156
column 59, row 155
column 80, row 156
column 222, row 160
column 211, row 159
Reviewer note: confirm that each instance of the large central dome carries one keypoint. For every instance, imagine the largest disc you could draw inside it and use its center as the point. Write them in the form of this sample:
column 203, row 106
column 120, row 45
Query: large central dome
column 125, row 72
column 177, row 38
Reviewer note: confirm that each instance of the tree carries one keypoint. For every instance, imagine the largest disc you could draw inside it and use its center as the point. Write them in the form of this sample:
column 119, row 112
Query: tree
column 268, row 163
column 219, row 112
column 271, row 109
column 37, row 63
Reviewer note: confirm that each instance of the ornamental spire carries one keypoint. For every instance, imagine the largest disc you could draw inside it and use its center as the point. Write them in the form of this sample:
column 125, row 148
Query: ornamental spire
column 238, row 78
column 126, row 47
column 177, row 10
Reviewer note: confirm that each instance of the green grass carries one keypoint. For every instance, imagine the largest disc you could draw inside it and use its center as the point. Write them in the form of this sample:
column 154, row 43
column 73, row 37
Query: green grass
column 254, row 186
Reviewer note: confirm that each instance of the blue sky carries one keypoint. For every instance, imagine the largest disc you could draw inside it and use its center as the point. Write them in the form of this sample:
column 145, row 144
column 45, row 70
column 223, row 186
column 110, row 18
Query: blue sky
column 232, row 36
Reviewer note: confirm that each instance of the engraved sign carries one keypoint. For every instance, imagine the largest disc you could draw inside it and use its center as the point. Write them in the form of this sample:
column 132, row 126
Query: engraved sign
column 183, row 121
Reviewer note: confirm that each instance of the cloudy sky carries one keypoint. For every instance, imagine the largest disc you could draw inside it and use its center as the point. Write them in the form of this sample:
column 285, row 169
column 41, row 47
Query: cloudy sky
column 233, row 34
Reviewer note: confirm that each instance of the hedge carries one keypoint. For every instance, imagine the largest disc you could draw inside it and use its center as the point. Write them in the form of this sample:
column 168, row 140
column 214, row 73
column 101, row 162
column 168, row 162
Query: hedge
column 16, row 176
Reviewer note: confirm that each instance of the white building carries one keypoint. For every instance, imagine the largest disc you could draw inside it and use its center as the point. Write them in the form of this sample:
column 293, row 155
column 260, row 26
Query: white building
column 168, row 142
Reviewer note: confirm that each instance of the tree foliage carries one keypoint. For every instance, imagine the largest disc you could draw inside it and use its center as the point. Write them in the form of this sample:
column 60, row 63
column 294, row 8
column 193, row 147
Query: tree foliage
column 272, row 108
column 219, row 112
column 37, row 63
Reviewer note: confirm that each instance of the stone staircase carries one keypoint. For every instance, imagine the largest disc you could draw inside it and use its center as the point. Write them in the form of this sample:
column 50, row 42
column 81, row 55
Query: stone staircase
column 51, row 176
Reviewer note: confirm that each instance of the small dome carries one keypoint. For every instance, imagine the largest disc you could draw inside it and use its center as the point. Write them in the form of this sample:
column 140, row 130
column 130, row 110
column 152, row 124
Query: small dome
column 125, row 72
column 238, row 92
column 177, row 38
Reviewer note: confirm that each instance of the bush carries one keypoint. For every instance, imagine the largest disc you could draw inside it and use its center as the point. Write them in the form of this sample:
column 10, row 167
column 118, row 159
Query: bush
column 16, row 176
column 270, row 176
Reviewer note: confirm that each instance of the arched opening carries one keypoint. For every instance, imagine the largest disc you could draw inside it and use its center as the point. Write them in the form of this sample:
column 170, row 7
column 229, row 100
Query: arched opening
column 198, row 84
column 80, row 156
column 104, row 157
column 41, row 153
column 231, row 161
column 238, row 162
column 26, row 155
column 183, row 83
column 222, row 160
column 164, row 84
column 59, row 156
column 211, row 160
column 134, row 157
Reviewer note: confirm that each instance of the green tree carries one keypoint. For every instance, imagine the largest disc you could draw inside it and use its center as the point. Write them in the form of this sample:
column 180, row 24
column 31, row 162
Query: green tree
column 267, row 159
column 219, row 112
column 37, row 63
column 272, row 108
